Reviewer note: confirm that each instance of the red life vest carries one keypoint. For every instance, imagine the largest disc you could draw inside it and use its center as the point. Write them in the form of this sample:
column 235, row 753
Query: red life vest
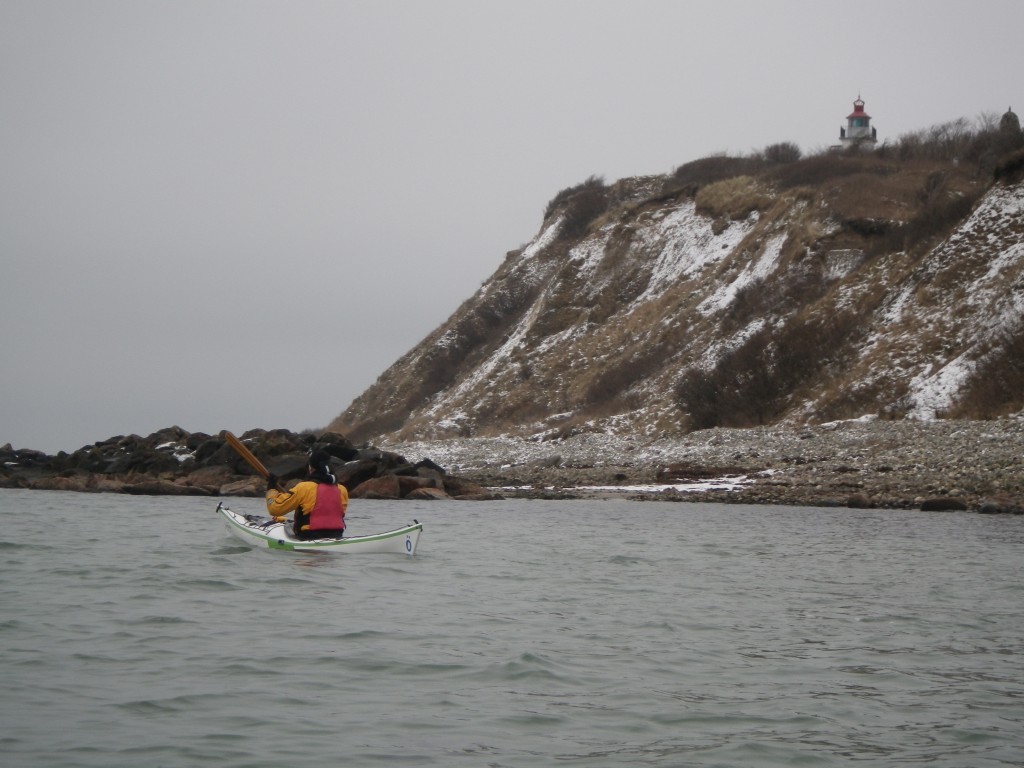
column 327, row 514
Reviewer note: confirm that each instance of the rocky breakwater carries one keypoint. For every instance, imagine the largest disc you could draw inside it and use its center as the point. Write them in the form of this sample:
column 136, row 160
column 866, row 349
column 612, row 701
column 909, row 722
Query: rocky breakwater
column 173, row 461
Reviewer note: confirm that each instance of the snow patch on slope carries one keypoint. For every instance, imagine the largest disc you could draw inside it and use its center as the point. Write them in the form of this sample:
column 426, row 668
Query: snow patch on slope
column 546, row 238
column 935, row 391
column 685, row 243
column 587, row 255
column 753, row 273
column 485, row 370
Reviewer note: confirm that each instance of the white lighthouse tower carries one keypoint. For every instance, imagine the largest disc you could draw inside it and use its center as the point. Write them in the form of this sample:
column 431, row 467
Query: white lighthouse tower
column 858, row 131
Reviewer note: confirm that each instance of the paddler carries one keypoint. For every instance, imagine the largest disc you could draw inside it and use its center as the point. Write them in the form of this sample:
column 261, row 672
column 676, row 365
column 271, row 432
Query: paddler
column 319, row 501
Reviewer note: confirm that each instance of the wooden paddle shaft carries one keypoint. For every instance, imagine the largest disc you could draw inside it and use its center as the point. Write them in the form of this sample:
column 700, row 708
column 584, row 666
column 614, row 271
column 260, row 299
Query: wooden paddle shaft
column 246, row 454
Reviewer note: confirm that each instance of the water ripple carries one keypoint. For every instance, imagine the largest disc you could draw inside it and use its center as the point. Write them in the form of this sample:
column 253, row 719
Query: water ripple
column 704, row 636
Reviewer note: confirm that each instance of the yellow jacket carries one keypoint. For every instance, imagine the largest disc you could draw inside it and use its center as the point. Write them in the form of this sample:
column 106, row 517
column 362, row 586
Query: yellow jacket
column 302, row 497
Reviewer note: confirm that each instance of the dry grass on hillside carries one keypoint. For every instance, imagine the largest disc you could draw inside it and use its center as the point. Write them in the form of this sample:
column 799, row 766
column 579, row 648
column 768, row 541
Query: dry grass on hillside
column 734, row 198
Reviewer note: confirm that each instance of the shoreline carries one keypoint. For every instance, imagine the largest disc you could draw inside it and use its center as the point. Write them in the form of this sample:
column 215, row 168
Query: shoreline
column 954, row 465
column 864, row 463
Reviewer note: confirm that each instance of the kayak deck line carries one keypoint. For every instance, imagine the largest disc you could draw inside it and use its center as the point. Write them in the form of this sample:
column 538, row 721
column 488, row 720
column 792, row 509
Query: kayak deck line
column 263, row 531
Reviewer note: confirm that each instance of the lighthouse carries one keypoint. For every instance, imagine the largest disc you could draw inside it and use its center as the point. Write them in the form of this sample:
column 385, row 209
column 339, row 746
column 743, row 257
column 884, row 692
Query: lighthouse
column 858, row 131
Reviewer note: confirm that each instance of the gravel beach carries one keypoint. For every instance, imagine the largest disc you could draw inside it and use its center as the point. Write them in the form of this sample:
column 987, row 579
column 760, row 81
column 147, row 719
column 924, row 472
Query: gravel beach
column 863, row 463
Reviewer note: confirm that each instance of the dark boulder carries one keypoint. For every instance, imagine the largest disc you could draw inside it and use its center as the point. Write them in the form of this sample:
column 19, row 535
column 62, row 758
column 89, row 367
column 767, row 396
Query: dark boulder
column 205, row 449
column 163, row 488
column 686, row 472
column 1001, row 505
column 859, row 501
column 459, row 488
column 355, row 472
column 943, row 504
column 427, row 494
column 337, row 446
column 210, row 479
column 427, row 464
column 289, row 466
column 382, row 487
column 409, row 483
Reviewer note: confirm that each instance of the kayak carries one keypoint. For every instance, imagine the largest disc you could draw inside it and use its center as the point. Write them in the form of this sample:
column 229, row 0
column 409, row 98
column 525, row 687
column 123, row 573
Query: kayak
column 263, row 531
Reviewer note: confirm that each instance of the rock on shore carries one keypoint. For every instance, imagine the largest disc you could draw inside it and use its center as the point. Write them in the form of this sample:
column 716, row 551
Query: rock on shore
column 863, row 463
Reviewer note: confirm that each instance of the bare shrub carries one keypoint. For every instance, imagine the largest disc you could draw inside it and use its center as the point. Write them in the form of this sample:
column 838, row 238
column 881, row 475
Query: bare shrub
column 818, row 169
column 996, row 387
column 783, row 152
column 737, row 392
column 1010, row 168
column 934, row 188
column 752, row 385
column 981, row 143
column 564, row 194
column 613, row 381
column 708, row 170
column 583, row 203
column 758, row 298
column 944, row 141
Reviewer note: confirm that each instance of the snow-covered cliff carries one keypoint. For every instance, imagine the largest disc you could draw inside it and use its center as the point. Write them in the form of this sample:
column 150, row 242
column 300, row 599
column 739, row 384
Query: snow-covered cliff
column 833, row 287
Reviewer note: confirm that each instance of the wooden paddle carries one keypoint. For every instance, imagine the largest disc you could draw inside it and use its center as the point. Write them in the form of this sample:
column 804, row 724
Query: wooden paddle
column 246, row 454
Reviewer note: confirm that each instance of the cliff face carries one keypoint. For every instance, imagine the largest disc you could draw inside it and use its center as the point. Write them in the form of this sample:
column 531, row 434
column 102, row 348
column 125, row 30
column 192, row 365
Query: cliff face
column 732, row 294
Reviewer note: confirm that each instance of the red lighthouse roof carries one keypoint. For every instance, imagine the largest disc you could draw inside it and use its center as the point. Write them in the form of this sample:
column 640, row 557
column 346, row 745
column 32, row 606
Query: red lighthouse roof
column 858, row 109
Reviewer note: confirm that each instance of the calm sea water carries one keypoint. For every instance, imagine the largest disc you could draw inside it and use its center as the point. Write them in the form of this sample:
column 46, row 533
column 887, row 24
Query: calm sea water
column 135, row 632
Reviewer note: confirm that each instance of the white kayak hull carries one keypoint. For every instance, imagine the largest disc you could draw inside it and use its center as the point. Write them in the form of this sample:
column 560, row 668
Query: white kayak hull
column 264, row 532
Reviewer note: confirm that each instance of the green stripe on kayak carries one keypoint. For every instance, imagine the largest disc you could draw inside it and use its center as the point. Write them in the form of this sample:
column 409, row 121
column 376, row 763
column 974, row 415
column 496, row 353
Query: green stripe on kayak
column 281, row 544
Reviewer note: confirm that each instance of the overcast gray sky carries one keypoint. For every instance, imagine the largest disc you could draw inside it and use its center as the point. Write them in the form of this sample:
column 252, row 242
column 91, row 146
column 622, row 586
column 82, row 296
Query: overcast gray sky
column 238, row 214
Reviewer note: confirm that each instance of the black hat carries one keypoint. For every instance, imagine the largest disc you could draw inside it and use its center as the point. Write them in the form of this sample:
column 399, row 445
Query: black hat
column 319, row 460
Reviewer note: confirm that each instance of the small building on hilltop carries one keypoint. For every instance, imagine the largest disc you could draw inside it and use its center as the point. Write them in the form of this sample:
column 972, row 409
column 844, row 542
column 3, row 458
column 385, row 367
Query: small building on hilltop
column 858, row 131
column 1009, row 123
